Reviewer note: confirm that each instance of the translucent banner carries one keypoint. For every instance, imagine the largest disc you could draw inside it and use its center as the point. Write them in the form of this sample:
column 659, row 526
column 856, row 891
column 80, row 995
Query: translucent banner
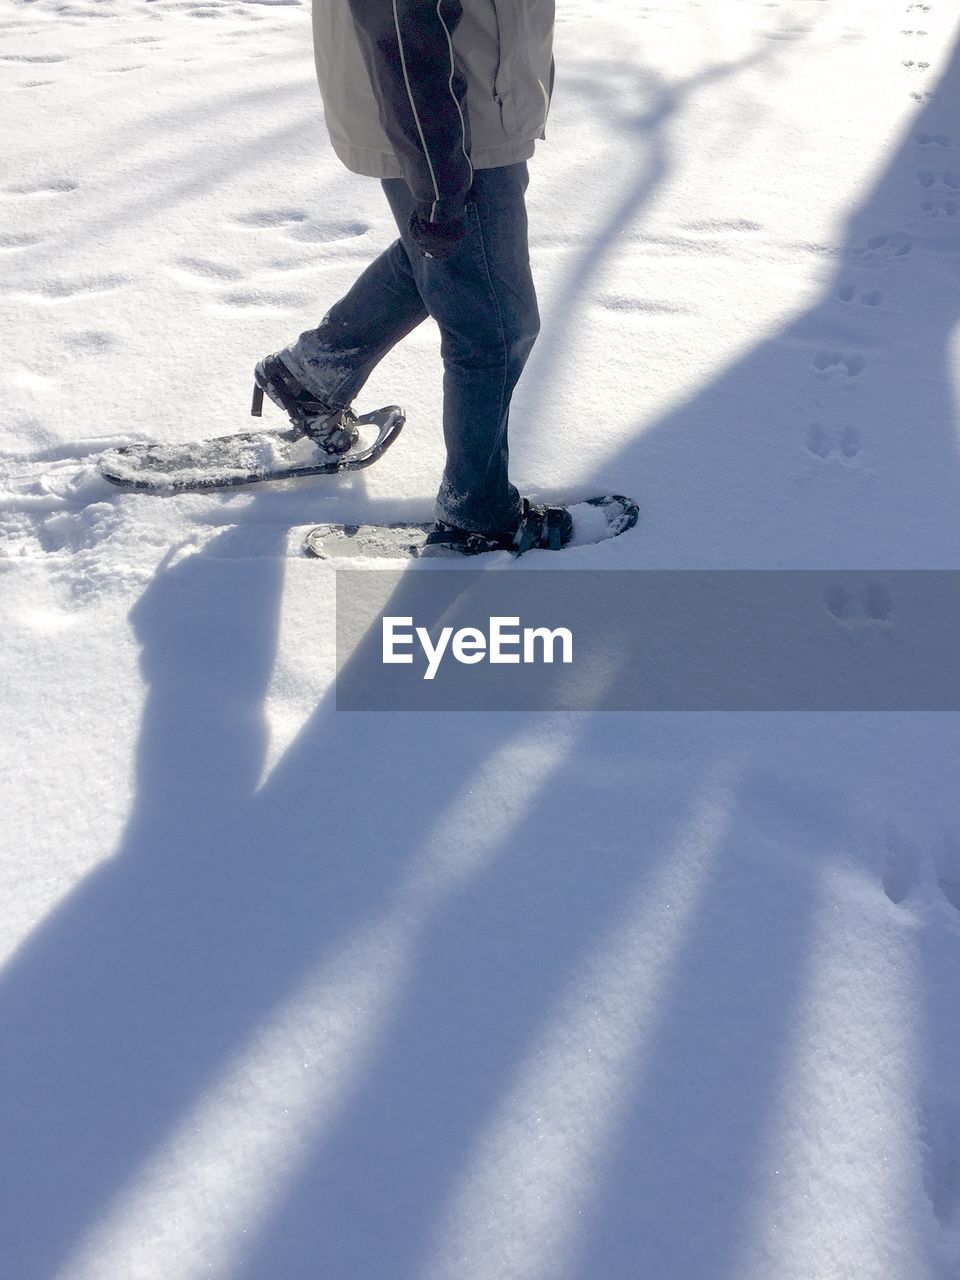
column 433, row 638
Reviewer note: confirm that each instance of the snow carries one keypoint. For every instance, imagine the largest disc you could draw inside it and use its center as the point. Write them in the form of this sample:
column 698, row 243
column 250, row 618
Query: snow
column 292, row 993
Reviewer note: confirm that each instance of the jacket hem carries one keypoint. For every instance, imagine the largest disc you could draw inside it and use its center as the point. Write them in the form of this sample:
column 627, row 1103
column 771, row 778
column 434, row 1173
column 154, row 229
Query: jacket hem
column 373, row 163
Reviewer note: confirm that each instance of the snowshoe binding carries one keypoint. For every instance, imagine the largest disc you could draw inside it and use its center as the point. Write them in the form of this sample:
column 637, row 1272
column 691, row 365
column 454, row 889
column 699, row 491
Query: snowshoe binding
column 334, row 430
column 539, row 528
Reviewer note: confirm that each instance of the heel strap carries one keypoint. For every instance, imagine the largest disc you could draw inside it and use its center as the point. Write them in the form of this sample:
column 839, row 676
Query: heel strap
column 542, row 528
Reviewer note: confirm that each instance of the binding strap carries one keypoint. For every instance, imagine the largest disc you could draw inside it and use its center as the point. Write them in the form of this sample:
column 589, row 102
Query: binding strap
column 542, row 528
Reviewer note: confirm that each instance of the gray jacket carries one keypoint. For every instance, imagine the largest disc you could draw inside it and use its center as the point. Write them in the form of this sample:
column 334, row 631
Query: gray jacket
column 428, row 90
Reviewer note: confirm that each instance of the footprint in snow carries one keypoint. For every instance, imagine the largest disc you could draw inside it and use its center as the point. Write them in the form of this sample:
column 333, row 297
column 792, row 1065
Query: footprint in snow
column 90, row 341
column 298, row 262
column 45, row 187
column 908, row 867
column 872, row 607
column 940, row 1143
column 947, row 866
column 905, row 867
column 327, row 232
column 642, row 306
column 206, row 269
column 274, row 217
column 264, row 298
column 11, row 240
column 871, row 298
column 887, row 244
column 709, row 227
column 826, row 360
column 57, row 289
column 33, row 57
column 944, row 192
column 934, row 207
column 842, row 446
column 196, row 8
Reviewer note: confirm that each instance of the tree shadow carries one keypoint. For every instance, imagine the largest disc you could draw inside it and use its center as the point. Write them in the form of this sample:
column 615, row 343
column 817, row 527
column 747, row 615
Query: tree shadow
column 782, row 434
column 491, row 974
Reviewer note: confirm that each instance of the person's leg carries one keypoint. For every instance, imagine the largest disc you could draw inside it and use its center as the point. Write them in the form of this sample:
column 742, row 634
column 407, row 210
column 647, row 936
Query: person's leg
column 334, row 360
column 484, row 302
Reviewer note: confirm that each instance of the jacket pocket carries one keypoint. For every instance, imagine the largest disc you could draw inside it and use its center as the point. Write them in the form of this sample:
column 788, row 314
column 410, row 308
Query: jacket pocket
column 518, row 90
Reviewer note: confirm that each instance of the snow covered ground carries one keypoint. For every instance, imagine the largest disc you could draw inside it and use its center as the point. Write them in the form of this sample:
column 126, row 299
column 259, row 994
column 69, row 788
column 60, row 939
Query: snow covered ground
column 288, row 994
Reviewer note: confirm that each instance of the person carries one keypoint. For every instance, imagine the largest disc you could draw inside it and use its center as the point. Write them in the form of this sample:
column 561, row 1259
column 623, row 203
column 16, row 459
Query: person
column 443, row 101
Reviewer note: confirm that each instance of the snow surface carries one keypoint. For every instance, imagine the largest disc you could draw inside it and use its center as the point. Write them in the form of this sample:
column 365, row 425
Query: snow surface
column 286, row 994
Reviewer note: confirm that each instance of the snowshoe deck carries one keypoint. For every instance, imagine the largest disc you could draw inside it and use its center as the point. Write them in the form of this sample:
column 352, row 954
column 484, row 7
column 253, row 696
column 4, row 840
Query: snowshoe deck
column 247, row 457
column 594, row 520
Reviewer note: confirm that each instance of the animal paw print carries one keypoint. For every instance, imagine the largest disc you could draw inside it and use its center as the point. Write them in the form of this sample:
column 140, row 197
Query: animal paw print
column 908, row 867
column 947, row 864
column 825, row 361
column 905, row 866
column 827, row 444
column 940, row 1147
column 934, row 207
column 871, row 298
column 887, row 244
column 872, row 606
column 944, row 192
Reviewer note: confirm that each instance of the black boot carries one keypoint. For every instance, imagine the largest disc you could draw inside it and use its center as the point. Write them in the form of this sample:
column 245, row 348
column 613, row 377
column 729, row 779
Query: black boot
column 539, row 528
column 332, row 429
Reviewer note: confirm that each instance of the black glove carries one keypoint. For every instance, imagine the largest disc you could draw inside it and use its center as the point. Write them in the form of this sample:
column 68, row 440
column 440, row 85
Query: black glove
column 437, row 239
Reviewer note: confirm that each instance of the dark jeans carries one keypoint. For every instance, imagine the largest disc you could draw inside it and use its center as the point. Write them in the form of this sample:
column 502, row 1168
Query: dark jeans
column 484, row 303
